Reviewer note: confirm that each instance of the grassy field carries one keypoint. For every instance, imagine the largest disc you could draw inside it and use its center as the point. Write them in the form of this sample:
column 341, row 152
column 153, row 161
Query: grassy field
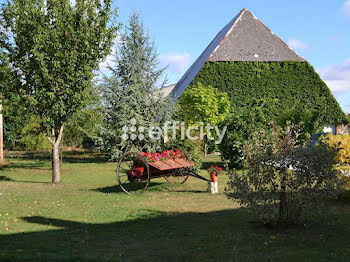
column 87, row 217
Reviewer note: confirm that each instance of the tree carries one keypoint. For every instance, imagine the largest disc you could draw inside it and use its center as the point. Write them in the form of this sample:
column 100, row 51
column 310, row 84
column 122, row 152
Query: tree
column 283, row 177
column 130, row 93
column 82, row 128
column 203, row 105
column 4, row 69
column 54, row 47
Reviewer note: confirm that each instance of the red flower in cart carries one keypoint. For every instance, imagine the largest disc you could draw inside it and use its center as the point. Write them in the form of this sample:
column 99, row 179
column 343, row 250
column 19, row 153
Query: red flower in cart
column 165, row 155
column 137, row 171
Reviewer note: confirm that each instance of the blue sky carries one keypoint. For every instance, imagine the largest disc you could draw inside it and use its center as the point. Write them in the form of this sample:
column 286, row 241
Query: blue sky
column 319, row 30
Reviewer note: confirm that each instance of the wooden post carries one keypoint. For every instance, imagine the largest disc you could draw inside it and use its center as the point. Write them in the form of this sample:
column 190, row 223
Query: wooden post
column 1, row 129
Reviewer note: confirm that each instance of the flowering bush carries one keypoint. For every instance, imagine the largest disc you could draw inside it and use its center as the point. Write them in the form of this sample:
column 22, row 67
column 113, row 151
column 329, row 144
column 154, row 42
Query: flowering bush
column 215, row 169
column 165, row 155
column 341, row 144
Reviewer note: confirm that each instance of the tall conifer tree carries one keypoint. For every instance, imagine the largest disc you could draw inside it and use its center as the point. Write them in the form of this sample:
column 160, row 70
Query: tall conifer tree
column 130, row 92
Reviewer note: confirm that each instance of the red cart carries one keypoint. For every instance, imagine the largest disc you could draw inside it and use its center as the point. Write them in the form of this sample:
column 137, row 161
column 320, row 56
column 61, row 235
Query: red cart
column 135, row 170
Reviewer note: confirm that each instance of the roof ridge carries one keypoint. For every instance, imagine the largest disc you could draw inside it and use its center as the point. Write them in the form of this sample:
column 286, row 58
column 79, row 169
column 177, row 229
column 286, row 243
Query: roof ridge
column 236, row 19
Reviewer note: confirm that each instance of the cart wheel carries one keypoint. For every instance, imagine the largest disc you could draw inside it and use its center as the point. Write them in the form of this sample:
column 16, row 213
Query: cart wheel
column 182, row 175
column 128, row 183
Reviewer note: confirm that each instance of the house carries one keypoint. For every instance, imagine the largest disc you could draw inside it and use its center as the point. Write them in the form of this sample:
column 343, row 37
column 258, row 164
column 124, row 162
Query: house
column 254, row 66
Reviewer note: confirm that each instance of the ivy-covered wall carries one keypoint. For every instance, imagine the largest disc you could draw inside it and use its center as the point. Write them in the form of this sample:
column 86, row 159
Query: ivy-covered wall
column 279, row 86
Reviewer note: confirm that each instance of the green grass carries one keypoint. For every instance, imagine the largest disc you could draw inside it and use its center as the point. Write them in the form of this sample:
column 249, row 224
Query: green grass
column 87, row 217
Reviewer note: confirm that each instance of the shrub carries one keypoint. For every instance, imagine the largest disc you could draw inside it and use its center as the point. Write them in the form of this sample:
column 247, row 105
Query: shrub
column 32, row 136
column 283, row 177
column 240, row 127
column 341, row 143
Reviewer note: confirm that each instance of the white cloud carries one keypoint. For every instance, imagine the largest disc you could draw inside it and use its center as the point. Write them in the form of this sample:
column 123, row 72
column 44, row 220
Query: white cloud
column 109, row 61
column 297, row 44
column 346, row 9
column 176, row 62
column 337, row 77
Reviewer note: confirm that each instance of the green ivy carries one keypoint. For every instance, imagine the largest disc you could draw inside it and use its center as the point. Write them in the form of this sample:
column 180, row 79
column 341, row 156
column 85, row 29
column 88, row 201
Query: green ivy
column 264, row 91
column 280, row 86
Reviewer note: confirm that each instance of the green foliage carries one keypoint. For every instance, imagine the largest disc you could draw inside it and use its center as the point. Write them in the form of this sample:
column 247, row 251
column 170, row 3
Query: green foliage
column 203, row 104
column 14, row 114
column 301, row 115
column 82, row 128
column 54, row 47
column 130, row 92
column 340, row 143
column 261, row 92
column 283, row 178
column 32, row 137
column 281, row 86
column 241, row 125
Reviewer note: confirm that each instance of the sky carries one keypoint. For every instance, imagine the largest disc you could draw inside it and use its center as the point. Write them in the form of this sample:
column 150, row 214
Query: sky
column 318, row 30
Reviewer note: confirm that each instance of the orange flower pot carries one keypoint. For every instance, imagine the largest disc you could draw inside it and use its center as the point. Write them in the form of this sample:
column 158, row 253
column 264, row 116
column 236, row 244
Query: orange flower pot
column 214, row 177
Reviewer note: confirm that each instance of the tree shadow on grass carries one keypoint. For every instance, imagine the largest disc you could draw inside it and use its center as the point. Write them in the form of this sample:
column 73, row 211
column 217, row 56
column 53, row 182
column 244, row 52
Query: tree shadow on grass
column 132, row 189
column 31, row 165
column 95, row 158
column 68, row 156
column 5, row 178
column 229, row 235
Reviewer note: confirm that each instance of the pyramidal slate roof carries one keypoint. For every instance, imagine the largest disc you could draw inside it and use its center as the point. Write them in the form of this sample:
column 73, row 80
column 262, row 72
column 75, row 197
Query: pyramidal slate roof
column 245, row 38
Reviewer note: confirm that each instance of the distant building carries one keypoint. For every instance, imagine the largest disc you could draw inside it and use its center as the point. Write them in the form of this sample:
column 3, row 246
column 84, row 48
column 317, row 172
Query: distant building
column 274, row 72
column 166, row 90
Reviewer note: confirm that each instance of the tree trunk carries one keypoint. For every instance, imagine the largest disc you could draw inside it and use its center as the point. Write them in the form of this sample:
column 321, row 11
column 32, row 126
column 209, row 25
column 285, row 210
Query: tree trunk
column 55, row 140
column 56, row 165
column 283, row 202
column 1, row 135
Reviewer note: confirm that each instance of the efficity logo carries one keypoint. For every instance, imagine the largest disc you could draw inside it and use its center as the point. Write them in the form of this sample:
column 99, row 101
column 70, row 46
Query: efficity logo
column 174, row 130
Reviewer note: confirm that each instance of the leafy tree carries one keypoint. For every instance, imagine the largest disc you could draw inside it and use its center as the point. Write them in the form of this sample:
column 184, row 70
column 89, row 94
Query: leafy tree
column 54, row 46
column 130, row 93
column 14, row 115
column 283, row 178
column 82, row 128
column 204, row 105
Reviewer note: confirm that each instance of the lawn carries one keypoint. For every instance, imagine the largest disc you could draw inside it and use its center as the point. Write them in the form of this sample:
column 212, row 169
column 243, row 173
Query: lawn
column 87, row 217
